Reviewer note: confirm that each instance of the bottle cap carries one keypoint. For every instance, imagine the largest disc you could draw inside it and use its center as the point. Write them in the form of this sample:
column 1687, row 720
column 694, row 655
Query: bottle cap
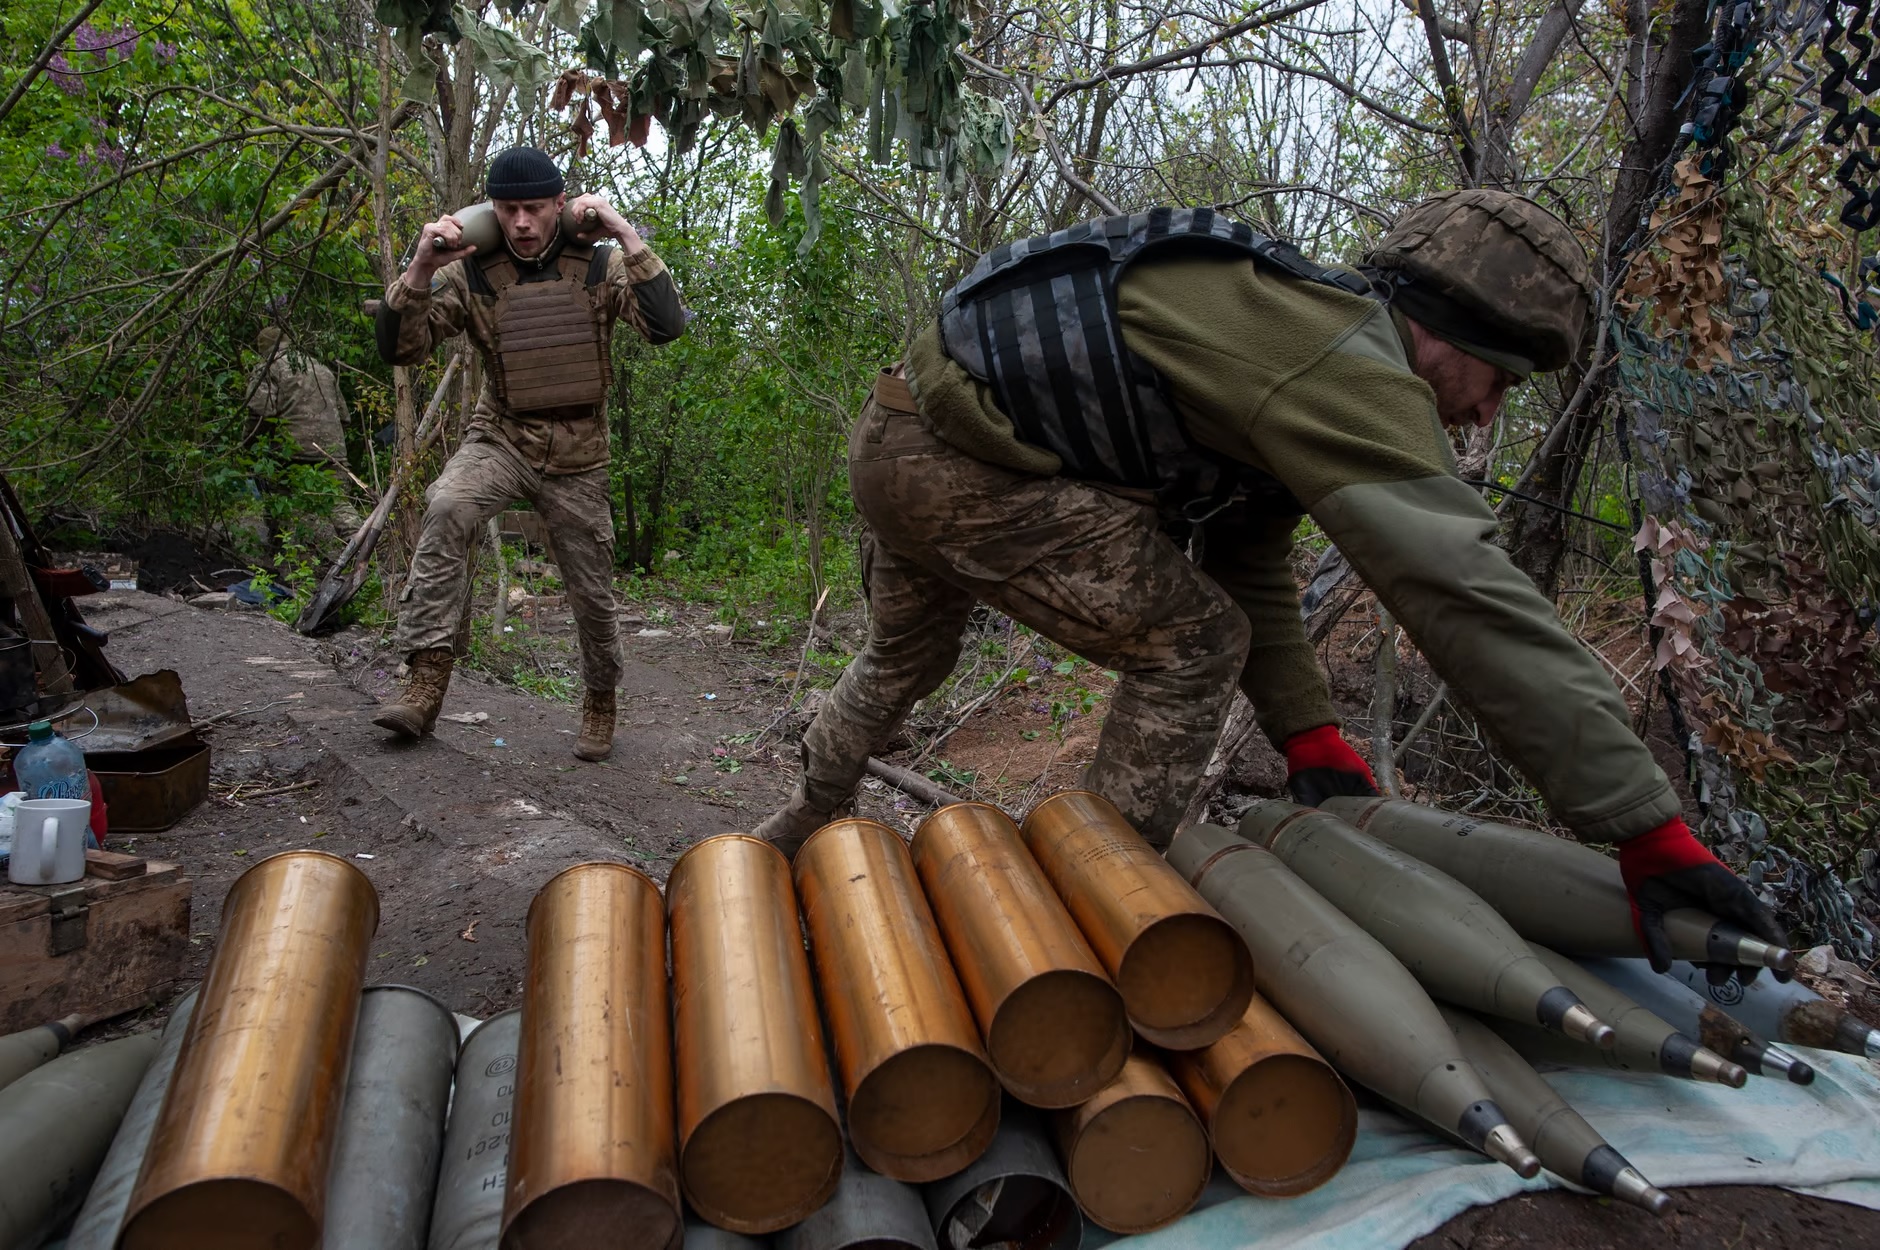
column 39, row 731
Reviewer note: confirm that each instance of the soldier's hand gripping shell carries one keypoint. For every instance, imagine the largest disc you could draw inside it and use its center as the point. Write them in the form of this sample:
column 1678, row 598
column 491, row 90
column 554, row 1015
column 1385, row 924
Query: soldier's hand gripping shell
column 1669, row 868
column 441, row 243
column 1321, row 765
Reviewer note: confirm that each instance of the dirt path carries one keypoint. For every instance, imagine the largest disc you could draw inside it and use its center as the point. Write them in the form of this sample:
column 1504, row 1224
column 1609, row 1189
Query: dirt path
column 458, row 832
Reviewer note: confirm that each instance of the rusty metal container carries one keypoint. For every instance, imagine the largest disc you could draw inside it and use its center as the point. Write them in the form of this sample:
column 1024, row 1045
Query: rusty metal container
column 1280, row 1119
column 1136, row 1156
column 702, row 1236
column 1184, row 974
column 467, row 1213
column 922, row 1100
column 1013, row 1197
column 1054, row 1026
column 391, row 1133
column 593, row 1146
column 101, row 1219
column 240, row 1152
column 760, row 1146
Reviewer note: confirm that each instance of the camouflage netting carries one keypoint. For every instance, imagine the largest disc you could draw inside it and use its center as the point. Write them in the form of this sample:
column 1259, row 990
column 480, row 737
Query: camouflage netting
column 1751, row 401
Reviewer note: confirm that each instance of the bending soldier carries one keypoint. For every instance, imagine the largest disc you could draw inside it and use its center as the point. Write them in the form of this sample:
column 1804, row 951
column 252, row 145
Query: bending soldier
column 542, row 311
column 1081, row 390
column 300, row 397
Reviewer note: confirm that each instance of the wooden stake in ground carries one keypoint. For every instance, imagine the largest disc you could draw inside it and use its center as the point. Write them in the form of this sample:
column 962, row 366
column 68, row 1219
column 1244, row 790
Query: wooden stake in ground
column 349, row 571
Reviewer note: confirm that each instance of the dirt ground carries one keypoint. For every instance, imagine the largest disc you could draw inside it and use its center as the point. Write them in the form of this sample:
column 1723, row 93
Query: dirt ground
column 458, row 831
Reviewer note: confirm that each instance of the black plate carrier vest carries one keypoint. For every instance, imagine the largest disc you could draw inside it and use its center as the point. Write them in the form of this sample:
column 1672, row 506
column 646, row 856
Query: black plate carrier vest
column 1036, row 321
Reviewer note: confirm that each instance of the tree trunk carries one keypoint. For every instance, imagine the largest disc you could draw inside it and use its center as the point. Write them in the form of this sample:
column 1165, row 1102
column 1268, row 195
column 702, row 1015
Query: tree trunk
column 1658, row 70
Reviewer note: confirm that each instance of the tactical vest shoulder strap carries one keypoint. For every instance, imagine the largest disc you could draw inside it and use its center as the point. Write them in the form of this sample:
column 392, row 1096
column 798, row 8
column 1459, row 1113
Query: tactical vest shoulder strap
column 597, row 266
column 1037, row 321
column 485, row 274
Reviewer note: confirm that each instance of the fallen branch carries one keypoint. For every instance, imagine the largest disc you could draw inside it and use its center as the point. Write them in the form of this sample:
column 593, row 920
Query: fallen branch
column 912, row 784
column 236, row 796
column 242, row 711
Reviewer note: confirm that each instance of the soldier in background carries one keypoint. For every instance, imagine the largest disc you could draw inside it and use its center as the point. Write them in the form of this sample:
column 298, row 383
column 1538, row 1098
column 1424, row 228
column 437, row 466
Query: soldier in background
column 1082, row 391
column 541, row 308
column 296, row 395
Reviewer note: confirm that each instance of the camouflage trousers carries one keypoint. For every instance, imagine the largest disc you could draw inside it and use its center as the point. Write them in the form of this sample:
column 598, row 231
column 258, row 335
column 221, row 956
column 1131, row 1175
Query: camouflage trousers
column 480, row 481
column 1087, row 568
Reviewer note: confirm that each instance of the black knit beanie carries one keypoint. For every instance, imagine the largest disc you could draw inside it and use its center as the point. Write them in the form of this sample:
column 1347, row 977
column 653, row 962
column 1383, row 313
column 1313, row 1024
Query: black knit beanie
column 523, row 173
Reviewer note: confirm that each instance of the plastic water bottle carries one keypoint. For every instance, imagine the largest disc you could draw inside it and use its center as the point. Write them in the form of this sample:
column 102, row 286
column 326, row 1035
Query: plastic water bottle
column 49, row 767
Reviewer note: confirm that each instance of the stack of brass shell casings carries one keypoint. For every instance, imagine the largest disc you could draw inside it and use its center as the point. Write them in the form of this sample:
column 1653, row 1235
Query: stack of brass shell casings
column 1184, row 976
column 593, row 1146
column 102, row 1217
column 1789, row 1012
column 1341, row 988
column 1013, row 1196
column 391, row 1132
column 56, row 1125
column 1054, row 1026
column 922, row 1100
column 1694, row 1015
column 1558, row 893
column 1643, row 1041
column 240, row 1152
column 1135, row 1155
column 760, row 1147
column 1457, row 945
column 1568, row 1146
column 467, row 1213
column 1280, row 1120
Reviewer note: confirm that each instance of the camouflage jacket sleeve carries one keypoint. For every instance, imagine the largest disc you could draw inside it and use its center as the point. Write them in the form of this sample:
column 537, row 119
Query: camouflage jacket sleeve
column 1357, row 440
column 644, row 296
column 410, row 323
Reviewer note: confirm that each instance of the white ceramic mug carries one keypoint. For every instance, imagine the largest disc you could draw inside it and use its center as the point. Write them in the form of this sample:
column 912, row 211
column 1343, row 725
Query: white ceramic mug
column 49, row 841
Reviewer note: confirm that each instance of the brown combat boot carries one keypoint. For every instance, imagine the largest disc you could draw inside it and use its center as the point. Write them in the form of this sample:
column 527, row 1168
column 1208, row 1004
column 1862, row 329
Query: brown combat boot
column 597, row 726
column 414, row 712
column 790, row 826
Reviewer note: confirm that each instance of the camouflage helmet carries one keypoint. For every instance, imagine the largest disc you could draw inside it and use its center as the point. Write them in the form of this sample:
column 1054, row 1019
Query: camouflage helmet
column 1511, row 268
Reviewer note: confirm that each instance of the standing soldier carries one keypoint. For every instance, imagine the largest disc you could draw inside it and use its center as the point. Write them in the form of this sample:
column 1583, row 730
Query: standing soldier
column 299, row 396
column 542, row 310
column 1081, row 390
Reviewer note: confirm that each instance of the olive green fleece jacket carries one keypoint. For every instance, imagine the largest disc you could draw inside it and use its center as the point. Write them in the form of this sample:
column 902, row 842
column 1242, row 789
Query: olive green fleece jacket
column 1314, row 386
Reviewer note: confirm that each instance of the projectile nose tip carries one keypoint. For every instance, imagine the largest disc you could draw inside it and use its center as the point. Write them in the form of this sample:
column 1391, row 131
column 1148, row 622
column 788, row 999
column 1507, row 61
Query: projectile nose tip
column 1579, row 1023
column 1780, row 958
column 1708, row 1065
column 1504, row 1145
column 1801, row 1074
column 1873, row 1043
column 1630, row 1187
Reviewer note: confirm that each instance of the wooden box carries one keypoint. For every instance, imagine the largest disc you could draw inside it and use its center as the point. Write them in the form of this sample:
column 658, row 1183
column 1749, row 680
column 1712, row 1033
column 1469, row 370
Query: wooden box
column 94, row 948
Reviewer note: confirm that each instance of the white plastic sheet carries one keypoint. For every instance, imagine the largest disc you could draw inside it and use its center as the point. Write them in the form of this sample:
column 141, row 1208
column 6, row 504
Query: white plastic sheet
column 1402, row 1182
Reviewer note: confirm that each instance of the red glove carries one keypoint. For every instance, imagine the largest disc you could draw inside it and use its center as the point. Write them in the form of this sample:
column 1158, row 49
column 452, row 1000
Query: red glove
column 1669, row 868
column 1321, row 765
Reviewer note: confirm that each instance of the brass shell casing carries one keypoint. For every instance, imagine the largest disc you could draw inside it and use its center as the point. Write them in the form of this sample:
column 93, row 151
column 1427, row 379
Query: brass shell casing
column 1185, row 975
column 759, row 1143
column 1135, row 1155
column 1280, row 1119
column 922, row 1100
column 592, row 1144
column 1054, row 1026
column 240, row 1151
